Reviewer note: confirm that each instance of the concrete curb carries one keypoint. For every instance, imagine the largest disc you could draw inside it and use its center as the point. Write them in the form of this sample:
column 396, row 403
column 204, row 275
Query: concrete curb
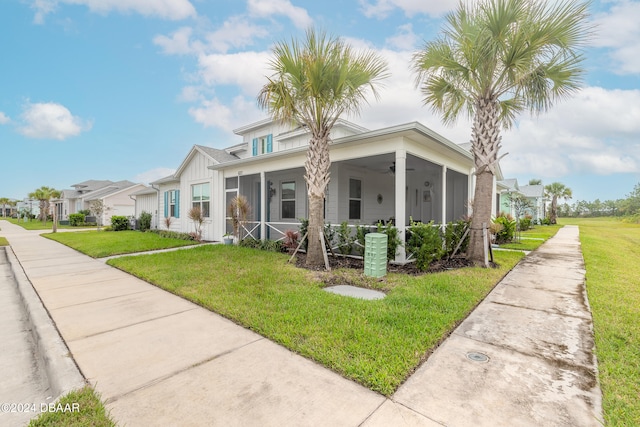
column 61, row 370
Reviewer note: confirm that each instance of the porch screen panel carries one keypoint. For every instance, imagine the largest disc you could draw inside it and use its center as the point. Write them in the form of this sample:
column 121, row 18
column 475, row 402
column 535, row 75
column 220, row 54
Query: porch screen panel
column 288, row 200
column 355, row 198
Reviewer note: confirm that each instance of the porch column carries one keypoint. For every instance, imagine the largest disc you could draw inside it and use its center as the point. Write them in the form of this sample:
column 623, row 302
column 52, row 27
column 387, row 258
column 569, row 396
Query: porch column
column 444, row 195
column 401, row 190
column 263, row 206
column 471, row 190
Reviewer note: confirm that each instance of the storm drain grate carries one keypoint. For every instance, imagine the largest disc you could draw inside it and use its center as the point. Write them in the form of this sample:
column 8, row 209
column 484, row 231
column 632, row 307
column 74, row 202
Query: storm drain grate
column 477, row 357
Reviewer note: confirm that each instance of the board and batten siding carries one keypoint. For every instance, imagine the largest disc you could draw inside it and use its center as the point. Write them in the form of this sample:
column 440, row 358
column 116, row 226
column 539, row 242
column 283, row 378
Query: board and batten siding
column 197, row 172
column 148, row 203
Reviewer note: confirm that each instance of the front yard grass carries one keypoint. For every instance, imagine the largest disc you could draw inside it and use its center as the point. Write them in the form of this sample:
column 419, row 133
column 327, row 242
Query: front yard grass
column 35, row 224
column 98, row 243
column 4, row 241
column 376, row 343
column 611, row 250
column 529, row 241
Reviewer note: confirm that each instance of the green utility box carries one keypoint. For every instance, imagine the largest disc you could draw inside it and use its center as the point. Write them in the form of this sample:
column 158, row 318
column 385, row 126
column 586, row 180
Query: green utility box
column 375, row 255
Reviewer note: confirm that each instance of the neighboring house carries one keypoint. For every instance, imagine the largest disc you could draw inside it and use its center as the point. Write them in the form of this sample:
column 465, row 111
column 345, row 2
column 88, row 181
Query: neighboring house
column 405, row 171
column 115, row 197
column 508, row 188
column 7, row 210
column 146, row 200
column 26, row 205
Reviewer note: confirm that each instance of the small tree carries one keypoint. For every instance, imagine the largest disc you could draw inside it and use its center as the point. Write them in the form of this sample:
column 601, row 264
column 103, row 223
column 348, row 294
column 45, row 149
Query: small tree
column 195, row 215
column 98, row 208
column 238, row 212
column 556, row 190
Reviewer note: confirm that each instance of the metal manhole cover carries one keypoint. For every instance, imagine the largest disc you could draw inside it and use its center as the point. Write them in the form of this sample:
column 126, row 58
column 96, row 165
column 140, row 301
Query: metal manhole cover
column 477, row 357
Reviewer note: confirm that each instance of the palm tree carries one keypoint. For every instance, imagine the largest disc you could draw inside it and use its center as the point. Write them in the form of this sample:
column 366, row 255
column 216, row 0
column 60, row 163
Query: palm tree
column 495, row 60
column 44, row 195
column 314, row 83
column 554, row 191
column 4, row 201
column 535, row 181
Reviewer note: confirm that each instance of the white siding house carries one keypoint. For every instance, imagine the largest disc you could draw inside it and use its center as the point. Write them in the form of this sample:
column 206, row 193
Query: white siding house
column 400, row 173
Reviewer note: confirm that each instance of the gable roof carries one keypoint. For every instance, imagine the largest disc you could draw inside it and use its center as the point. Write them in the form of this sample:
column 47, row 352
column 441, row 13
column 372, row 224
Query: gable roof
column 91, row 184
column 218, row 156
column 532, row 190
column 108, row 190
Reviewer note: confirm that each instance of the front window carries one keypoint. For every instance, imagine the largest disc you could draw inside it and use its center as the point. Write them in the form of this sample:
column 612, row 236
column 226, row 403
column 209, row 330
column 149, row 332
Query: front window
column 288, row 200
column 172, row 203
column 200, row 196
column 355, row 199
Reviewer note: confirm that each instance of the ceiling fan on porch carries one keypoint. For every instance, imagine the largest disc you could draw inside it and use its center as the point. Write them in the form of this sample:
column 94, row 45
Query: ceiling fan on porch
column 392, row 169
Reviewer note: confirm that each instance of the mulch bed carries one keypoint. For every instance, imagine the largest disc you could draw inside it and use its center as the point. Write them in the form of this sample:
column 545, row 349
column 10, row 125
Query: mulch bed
column 347, row 262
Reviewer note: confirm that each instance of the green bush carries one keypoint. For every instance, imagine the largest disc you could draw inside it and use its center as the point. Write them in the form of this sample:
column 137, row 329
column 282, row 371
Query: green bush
column 85, row 212
column 425, row 243
column 361, row 233
column 525, row 223
column 505, row 235
column 345, row 240
column 393, row 239
column 172, row 234
column 76, row 219
column 304, row 228
column 144, row 222
column 453, row 233
column 265, row 245
column 119, row 223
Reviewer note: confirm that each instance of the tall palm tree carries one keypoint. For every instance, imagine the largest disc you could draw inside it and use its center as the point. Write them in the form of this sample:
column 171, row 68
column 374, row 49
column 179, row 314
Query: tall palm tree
column 44, row 195
column 554, row 191
column 315, row 82
column 4, row 201
column 494, row 60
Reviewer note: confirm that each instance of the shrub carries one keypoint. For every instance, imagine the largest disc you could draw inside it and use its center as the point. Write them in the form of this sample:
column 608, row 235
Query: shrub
column 525, row 223
column 291, row 238
column 85, row 212
column 144, row 222
column 172, row 234
column 119, row 223
column 508, row 230
column 453, row 233
column 361, row 232
column 393, row 239
column 195, row 214
column 265, row 245
column 304, row 228
column 425, row 243
column 76, row 219
column 345, row 240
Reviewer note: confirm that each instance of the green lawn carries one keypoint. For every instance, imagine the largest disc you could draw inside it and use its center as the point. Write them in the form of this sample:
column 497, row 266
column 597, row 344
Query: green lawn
column 538, row 232
column 611, row 250
column 97, row 243
column 34, row 224
column 4, row 241
column 376, row 343
column 91, row 412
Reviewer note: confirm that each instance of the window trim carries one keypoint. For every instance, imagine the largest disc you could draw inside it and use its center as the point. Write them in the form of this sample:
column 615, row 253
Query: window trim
column 202, row 201
column 351, row 198
column 282, row 199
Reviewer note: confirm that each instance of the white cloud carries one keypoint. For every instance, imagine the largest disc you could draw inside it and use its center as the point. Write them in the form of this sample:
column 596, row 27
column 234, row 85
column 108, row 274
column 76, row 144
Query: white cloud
column 246, row 70
column 404, row 39
column 178, row 42
column 618, row 29
column 4, row 119
column 267, row 8
column 213, row 113
column 236, row 32
column 51, row 121
column 153, row 175
column 382, row 8
column 166, row 9
column 596, row 131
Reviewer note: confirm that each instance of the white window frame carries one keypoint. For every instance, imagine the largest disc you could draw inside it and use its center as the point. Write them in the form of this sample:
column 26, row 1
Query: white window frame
column 201, row 198
column 352, row 198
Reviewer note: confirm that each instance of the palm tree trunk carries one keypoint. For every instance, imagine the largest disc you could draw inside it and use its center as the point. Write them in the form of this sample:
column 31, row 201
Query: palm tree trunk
column 485, row 141
column 553, row 215
column 317, row 177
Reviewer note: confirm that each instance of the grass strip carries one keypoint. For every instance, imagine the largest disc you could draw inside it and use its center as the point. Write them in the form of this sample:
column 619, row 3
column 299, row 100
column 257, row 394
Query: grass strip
column 376, row 343
column 91, row 412
column 611, row 249
column 98, row 243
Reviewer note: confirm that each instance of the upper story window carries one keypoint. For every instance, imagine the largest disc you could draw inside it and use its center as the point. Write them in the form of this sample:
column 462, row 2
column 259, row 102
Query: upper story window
column 262, row 145
column 200, row 198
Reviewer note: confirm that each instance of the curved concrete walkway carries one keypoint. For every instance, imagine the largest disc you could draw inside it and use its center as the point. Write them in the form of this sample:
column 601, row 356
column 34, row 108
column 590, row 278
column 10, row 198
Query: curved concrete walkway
column 160, row 360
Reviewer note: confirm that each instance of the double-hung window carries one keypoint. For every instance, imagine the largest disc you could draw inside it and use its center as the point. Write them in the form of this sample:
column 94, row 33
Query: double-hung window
column 355, row 198
column 288, row 192
column 172, row 203
column 262, row 145
column 200, row 198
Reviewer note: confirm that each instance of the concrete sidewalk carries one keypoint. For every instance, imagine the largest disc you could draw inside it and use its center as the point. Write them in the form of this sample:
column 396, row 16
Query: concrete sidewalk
column 160, row 360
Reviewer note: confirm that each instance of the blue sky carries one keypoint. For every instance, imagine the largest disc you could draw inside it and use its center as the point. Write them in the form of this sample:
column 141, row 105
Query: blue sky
column 121, row 89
